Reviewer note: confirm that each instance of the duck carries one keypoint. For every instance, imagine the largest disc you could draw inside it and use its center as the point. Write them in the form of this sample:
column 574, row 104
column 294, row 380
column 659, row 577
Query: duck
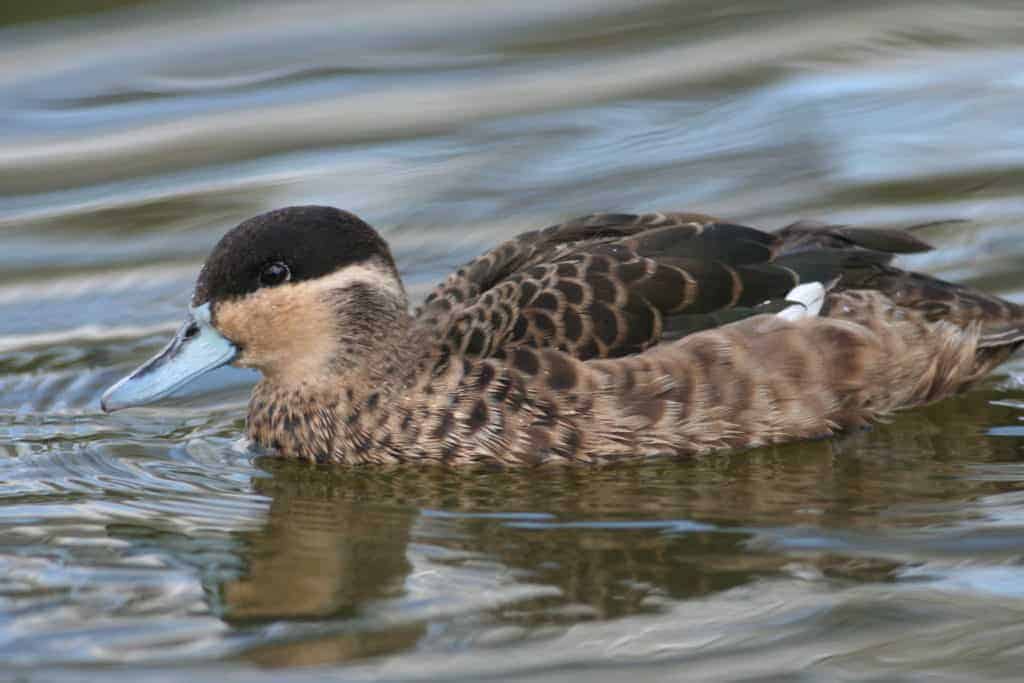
column 606, row 338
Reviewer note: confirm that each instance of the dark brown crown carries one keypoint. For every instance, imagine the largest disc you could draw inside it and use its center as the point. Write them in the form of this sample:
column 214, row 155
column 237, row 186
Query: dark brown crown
column 312, row 241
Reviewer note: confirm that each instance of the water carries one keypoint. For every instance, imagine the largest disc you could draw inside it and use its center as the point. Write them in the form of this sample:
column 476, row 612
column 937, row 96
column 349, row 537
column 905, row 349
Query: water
column 152, row 544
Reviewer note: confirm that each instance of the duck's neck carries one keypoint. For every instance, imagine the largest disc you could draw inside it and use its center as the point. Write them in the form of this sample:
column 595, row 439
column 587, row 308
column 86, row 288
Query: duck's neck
column 388, row 362
column 302, row 416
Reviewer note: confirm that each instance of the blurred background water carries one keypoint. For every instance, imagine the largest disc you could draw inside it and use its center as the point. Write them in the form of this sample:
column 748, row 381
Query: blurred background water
column 151, row 543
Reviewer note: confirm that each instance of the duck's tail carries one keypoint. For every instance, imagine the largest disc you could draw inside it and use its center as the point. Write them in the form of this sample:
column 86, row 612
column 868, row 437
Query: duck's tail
column 939, row 347
column 997, row 324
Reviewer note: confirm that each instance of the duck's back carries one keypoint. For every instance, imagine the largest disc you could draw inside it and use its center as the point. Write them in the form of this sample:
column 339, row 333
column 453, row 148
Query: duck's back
column 613, row 285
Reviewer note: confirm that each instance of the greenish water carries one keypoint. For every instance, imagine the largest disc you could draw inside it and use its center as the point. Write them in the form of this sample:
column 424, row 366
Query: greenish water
column 153, row 545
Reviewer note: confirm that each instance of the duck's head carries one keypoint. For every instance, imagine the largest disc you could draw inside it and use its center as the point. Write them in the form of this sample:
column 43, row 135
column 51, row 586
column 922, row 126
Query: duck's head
column 297, row 293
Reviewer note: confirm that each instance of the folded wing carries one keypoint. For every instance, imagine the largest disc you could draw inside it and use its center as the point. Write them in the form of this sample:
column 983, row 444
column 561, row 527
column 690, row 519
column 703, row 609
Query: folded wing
column 612, row 285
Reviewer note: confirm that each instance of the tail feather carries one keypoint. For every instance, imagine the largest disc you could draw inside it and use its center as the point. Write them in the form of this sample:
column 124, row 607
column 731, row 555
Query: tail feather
column 1008, row 337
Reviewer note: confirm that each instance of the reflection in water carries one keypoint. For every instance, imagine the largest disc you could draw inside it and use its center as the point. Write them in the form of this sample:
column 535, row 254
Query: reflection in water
column 321, row 556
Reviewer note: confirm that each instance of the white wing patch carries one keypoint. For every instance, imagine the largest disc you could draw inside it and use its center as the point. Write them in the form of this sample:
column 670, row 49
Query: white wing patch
column 807, row 300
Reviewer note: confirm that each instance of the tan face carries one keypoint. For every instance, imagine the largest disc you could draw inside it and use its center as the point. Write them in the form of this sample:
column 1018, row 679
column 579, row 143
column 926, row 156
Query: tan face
column 298, row 332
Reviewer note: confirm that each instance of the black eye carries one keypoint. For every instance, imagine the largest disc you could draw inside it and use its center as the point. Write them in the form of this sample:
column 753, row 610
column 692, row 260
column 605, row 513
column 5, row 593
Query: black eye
column 274, row 274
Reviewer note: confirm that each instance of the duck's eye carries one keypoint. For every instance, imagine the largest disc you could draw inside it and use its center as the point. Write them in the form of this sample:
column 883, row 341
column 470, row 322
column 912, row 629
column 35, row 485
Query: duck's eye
column 274, row 274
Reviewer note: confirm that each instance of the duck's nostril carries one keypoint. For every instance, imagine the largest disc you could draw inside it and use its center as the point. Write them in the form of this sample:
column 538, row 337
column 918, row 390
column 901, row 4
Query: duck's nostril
column 191, row 331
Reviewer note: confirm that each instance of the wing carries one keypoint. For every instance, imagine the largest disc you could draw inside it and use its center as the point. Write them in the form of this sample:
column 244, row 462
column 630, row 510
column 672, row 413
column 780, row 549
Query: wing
column 609, row 285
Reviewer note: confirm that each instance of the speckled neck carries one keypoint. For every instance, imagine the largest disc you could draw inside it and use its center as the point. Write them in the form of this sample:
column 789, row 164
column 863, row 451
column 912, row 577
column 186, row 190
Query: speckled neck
column 306, row 418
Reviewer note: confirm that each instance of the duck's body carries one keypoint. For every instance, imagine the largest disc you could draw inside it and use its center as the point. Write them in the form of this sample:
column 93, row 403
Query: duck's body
column 609, row 337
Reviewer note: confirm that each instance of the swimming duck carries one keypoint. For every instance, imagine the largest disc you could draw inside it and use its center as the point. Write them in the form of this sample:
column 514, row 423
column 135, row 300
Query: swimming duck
column 608, row 337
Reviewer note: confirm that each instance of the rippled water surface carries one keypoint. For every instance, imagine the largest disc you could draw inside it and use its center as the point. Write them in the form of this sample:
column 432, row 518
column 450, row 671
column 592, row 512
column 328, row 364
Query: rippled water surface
column 152, row 544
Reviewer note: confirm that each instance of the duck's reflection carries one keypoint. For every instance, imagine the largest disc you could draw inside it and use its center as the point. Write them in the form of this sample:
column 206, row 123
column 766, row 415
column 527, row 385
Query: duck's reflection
column 323, row 554
column 320, row 556
column 350, row 546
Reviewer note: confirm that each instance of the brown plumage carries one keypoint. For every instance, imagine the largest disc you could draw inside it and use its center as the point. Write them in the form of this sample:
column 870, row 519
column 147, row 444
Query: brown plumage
column 608, row 337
